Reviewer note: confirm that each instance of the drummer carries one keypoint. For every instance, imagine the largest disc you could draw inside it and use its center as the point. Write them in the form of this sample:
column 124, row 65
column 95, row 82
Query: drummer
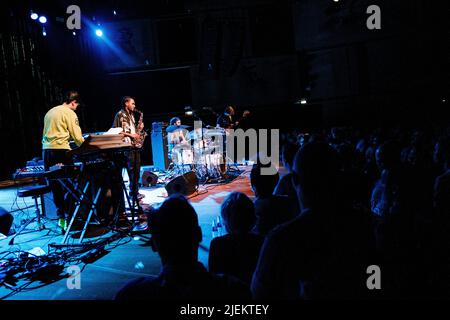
column 179, row 145
column 176, row 137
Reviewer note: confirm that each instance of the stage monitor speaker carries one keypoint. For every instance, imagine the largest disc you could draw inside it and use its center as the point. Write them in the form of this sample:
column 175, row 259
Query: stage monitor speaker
column 6, row 220
column 185, row 184
column 149, row 179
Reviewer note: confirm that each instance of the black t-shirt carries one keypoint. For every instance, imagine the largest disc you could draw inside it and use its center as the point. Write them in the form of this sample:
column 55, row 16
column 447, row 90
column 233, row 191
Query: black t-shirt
column 185, row 283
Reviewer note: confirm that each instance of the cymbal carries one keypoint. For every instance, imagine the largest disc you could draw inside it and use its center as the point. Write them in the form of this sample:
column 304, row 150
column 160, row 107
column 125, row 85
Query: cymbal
column 183, row 145
column 216, row 132
column 173, row 128
column 197, row 133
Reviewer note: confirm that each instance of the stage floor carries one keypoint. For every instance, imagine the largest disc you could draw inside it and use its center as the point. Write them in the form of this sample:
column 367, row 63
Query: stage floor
column 131, row 258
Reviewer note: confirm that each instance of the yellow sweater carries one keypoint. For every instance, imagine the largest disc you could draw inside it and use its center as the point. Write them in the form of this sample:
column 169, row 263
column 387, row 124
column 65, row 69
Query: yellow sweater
column 60, row 126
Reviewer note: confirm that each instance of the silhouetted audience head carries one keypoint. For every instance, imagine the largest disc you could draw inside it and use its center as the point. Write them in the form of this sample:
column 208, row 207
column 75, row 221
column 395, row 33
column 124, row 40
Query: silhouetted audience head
column 263, row 185
column 388, row 155
column 315, row 175
column 175, row 231
column 338, row 135
column 238, row 213
column 288, row 152
column 346, row 154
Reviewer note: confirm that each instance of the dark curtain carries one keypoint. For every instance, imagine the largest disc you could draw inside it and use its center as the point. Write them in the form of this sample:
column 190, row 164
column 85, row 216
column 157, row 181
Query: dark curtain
column 34, row 73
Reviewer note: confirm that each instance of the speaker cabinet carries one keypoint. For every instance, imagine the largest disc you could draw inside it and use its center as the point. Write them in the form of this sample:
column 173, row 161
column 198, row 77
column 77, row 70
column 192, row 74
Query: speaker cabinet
column 149, row 178
column 186, row 184
column 159, row 146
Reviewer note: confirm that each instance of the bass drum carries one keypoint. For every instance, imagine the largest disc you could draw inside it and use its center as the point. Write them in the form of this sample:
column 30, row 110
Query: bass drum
column 181, row 156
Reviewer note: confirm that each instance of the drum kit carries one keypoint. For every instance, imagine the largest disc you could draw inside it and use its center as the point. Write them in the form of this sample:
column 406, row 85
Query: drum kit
column 202, row 152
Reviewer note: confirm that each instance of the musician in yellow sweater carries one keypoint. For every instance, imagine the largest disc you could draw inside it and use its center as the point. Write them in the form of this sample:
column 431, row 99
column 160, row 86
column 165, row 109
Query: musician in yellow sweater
column 60, row 126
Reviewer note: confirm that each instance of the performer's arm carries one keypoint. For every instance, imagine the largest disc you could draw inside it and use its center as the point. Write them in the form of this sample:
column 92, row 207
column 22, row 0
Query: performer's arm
column 74, row 129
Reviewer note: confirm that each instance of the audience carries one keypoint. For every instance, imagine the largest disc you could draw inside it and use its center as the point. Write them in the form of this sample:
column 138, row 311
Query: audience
column 349, row 199
column 285, row 186
column 442, row 184
column 441, row 229
column 176, row 236
column 237, row 252
column 323, row 252
column 271, row 210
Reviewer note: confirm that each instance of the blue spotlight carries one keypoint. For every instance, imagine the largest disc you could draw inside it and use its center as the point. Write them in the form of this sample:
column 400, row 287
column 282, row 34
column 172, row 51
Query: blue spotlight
column 42, row 19
column 99, row 32
column 34, row 16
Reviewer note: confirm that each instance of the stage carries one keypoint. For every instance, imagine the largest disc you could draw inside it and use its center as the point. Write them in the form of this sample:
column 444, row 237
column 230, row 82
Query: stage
column 126, row 258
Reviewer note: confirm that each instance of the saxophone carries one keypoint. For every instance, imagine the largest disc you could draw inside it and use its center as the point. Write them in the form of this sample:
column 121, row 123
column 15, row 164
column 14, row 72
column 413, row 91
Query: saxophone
column 138, row 143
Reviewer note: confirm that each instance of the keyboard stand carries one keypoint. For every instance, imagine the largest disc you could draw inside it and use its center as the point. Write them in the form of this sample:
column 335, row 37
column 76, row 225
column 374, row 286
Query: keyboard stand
column 93, row 209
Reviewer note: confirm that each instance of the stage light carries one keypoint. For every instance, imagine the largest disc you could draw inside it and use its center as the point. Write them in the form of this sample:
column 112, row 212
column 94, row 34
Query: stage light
column 99, row 32
column 74, row 33
column 303, row 101
column 189, row 113
column 114, row 12
column 34, row 16
column 42, row 19
column 44, row 33
column 444, row 100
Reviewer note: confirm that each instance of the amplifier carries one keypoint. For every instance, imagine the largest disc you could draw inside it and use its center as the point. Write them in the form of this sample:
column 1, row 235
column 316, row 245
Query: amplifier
column 159, row 146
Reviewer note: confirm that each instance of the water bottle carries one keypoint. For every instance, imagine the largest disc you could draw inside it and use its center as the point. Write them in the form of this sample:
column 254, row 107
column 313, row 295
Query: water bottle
column 214, row 229
column 219, row 226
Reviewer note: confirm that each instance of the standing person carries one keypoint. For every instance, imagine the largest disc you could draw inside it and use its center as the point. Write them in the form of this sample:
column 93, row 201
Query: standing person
column 126, row 120
column 60, row 126
column 227, row 119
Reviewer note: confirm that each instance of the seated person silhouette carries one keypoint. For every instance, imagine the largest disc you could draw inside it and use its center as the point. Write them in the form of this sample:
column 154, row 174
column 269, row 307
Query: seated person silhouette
column 442, row 184
column 285, row 186
column 237, row 252
column 176, row 236
column 321, row 253
column 271, row 210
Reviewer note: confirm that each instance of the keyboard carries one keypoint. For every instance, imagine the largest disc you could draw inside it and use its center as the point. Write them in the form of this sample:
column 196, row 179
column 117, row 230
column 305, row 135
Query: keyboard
column 29, row 171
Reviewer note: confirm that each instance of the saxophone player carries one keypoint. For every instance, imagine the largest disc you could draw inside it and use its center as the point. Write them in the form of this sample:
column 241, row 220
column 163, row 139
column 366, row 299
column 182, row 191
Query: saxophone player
column 132, row 127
